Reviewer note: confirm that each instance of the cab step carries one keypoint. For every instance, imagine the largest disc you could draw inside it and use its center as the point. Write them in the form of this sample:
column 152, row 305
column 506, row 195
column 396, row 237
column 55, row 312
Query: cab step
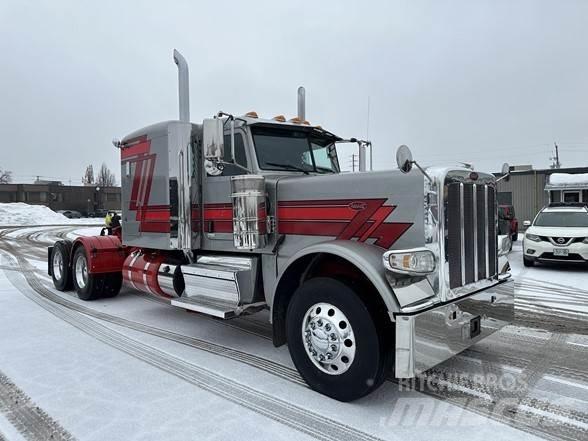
column 221, row 286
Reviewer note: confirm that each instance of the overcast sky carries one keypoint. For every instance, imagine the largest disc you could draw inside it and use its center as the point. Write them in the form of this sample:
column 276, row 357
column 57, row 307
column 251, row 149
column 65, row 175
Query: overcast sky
column 478, row 81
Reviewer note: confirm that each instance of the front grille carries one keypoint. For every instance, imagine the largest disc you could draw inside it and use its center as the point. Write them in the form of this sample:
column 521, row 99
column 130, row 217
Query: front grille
column 572, row 256
column 470, row 224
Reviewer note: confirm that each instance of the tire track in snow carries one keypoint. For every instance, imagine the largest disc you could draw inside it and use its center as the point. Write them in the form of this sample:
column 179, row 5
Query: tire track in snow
column 455, row 391
column 32, row 422
column 314, row 425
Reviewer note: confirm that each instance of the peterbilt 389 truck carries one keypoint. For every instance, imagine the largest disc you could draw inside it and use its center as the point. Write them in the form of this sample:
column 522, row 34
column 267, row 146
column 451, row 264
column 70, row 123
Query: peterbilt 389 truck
column 364, row 274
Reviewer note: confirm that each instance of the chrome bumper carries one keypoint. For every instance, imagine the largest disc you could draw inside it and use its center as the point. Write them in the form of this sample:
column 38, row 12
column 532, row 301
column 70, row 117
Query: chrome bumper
column 429, row 337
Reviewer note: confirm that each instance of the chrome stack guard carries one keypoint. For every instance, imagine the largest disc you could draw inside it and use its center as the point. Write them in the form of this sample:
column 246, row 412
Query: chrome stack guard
column 429, row 337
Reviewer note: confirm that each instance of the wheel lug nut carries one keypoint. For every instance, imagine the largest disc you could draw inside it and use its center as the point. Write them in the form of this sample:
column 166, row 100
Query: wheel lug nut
column 329, row 356
column 328, row 327
column 321, row 357
column 333, row 336
column 319, row 322
column 312, row 325
column 333, row 347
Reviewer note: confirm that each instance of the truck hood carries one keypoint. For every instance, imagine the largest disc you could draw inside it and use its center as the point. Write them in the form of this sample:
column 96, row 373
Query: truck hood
column 558, row 231
column 383, row 208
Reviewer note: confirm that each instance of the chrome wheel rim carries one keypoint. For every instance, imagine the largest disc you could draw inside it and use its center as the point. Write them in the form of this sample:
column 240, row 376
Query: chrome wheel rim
column 328, row 338
column 57, row 264
column 81, row 268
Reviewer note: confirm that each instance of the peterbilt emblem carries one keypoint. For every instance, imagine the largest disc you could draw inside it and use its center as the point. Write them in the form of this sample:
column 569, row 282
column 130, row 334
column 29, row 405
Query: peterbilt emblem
column 561, row 240
column 358, row 206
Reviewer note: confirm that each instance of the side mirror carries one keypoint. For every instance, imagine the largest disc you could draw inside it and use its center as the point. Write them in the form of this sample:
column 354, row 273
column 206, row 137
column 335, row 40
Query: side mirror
column 404, row 159
column 527, row 223
column 505, row 173
column 213, row 139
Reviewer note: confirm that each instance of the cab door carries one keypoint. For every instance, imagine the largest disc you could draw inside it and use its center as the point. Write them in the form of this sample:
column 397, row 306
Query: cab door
column 217, row 216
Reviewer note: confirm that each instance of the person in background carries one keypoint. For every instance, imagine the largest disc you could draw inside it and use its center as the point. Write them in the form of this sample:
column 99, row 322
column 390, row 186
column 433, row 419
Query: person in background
column 112, row 224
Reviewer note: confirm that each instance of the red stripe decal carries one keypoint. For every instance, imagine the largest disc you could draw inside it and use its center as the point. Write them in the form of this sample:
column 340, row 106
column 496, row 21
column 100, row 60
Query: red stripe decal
column 140, row 148
column 344, row 219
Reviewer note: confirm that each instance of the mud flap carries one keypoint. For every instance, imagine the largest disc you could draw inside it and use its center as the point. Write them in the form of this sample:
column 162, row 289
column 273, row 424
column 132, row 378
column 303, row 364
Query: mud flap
column 49, row 266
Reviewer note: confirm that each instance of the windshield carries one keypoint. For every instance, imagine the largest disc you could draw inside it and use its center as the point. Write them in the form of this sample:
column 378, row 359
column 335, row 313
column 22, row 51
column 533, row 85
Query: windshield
column 562, row 219
column 279, row 149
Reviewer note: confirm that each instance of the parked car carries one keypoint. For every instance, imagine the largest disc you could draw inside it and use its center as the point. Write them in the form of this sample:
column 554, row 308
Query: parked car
column 507, row 222
column 559, row 233
column 71, row 214
column 98, row 213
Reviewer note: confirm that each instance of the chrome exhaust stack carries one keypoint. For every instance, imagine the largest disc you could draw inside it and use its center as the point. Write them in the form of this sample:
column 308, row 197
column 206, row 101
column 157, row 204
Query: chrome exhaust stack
column 301, row 104
column 183, row 86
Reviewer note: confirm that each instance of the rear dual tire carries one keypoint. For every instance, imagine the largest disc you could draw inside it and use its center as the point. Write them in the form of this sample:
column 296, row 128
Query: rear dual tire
column 92, row 286
column 60, row 269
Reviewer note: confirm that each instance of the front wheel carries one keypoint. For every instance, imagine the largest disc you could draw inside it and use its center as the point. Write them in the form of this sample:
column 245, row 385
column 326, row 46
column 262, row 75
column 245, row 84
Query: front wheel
column 528, row 262
column 335, row 341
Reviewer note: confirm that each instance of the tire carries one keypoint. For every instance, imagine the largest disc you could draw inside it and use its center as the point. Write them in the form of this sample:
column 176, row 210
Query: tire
column 112, row 284
column 515, row 237
column 93, row 286
column 528, row 262
column 61, row 272
column 361, row 357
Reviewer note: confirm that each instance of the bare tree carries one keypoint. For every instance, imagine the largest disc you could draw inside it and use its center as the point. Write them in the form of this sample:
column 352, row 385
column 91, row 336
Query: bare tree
column 5, row 176
column 88, row 178
column 105, row 177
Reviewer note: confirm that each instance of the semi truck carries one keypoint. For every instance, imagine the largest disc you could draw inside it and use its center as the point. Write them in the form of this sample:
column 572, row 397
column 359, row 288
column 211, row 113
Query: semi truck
column 365, row 275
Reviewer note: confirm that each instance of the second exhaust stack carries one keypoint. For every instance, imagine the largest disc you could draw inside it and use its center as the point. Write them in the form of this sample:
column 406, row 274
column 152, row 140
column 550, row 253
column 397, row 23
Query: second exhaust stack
column 301, row 103
column 183, row 86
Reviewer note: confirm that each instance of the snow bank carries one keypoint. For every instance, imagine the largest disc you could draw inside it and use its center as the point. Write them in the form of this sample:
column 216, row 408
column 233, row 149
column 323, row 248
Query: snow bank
column 19, row 213
column 568, row 179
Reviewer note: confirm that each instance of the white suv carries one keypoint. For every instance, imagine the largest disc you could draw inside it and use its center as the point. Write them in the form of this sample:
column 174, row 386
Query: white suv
column 559, row 233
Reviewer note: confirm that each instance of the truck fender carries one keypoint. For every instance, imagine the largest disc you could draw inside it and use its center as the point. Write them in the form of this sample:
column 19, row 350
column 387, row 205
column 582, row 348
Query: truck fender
column 105, row 253
column 366, row 258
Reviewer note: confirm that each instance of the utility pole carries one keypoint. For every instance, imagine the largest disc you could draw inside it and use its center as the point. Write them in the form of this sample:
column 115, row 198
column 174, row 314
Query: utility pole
column 555, row 159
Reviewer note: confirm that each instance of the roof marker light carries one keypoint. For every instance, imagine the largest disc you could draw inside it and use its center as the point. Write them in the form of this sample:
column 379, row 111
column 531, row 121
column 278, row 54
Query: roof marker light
column 252, row 114
column 280, row 118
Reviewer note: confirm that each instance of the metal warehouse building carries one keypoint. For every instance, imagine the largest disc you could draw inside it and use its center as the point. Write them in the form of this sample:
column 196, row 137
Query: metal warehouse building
column 84, row 199
column 526, row 191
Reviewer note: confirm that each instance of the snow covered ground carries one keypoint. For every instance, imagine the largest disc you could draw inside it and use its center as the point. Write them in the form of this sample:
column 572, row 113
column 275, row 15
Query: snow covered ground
column 19, row 213
column 134, row 367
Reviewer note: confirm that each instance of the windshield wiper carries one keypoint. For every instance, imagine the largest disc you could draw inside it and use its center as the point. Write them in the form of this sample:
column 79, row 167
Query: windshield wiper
column 325, row 169
column 288, row 167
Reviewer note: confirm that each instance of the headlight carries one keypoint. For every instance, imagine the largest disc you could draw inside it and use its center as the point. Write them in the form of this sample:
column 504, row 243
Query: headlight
column 416, row 262
column 532, row 237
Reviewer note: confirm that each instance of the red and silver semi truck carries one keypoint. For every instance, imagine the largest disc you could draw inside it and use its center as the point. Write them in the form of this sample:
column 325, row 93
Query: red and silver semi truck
column 362, row 273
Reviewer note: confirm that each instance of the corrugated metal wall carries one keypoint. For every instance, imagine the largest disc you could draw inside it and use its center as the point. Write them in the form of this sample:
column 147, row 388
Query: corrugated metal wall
column 528, row 193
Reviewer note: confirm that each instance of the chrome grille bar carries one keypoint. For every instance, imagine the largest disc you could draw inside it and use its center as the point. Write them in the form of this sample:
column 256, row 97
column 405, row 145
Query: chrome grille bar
column 487, row 231
column 462, row 233
column 475, row 209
